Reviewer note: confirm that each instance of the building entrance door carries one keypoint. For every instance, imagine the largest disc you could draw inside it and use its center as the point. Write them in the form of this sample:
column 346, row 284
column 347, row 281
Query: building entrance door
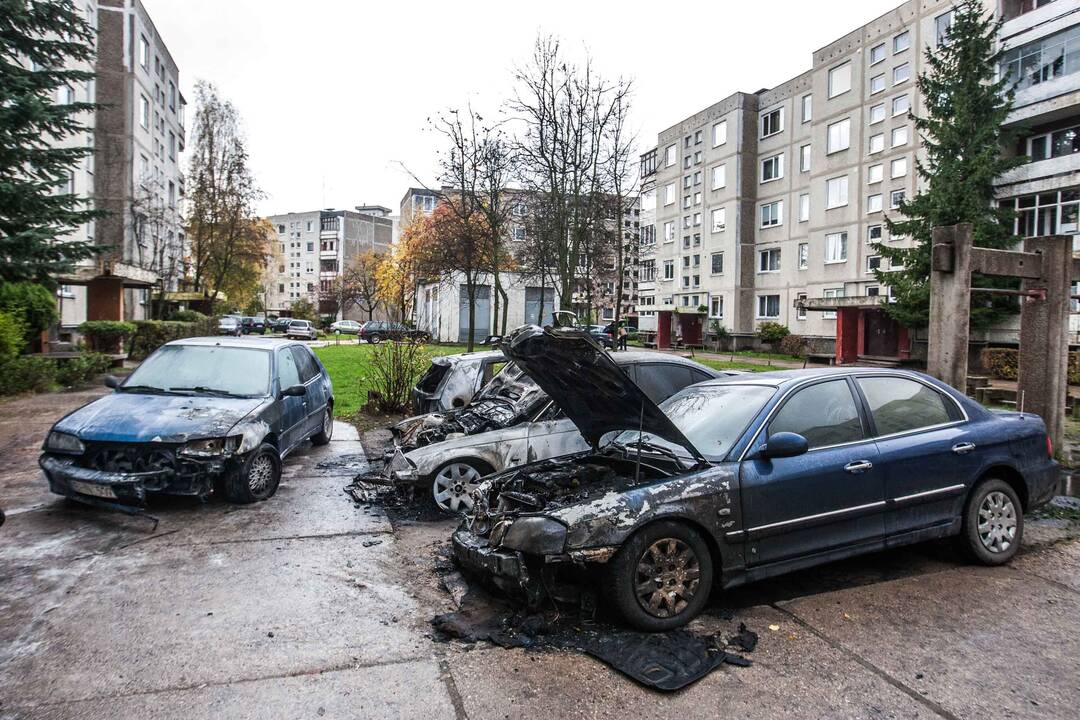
column 880, row 334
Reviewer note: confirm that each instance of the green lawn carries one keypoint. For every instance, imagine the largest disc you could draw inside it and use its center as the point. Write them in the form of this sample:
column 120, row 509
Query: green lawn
column 349, row 366
column 736, row 365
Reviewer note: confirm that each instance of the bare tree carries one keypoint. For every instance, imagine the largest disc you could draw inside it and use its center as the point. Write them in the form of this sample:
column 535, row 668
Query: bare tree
column 356, row 287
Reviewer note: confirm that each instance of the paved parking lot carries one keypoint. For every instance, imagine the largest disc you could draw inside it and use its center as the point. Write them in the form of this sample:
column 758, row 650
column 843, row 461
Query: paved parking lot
column 306, row 606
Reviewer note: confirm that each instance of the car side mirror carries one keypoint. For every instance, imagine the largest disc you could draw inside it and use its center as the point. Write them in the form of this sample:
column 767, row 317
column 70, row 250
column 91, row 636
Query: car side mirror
column 294, row 391
column 784, row 444
column 111, row 381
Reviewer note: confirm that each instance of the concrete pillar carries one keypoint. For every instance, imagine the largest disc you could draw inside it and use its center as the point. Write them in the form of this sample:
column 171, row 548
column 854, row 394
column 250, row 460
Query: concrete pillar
column 1044, row 335
column 847, row 335
column 950, row 303
column 105, row 299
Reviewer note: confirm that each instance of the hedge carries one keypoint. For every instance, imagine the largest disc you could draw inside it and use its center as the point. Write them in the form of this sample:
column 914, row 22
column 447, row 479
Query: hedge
column 26, row 374
column 771, row 332
column 793, row 345
column 79, row 371
column 1004, row 363
column 107, row 336
column 151, row 334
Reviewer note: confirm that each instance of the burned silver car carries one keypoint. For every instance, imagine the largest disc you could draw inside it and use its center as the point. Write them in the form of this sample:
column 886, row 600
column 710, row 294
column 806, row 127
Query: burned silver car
column 748, row 477
column 452, row 380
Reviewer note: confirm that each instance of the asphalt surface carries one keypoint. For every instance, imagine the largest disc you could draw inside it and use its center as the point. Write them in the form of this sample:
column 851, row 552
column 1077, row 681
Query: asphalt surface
column 308, row 606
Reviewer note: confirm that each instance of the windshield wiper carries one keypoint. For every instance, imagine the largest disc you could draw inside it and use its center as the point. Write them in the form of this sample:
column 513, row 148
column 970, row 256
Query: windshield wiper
column 206, row 390
column 660, row 449
column 142, row 388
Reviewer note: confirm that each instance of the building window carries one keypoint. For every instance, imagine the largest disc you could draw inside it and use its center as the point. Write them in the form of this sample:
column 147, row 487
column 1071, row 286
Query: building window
column 698, row 157
column 1054, row 144
column 669, row 194
column 877, row 143
column 686, row 244
column 719, row 219
column 877, row 54
column 804, row 158
column 901, row 42
column 172, row 145
column 772, row 122
column 697, row 178
column 800, row 312
column 873, row 262
column 697, row 137
column 144, row 52
column 648, row 271
column 669, row 231
column 807, row 108
column 772, row 214
column 896, row 198
column 832, row 294
column 768, row 306
column 144, row 112
column 899, row 136
column 942, row 23
column 874, row 174
column 836, row 192
column 836, row 248
column 772, row 168
column 669, row 156
column 719, row 133
column 877, row 84
column 804, row 256
column 697, row 261
column 686, row 162
column 898, row 167
column 687, row 182
column 697, row 201
column 839, row 136
column 719, row 177
column 697, row 219
column 873, row 234
column 716, row 306
column 769, row 260
column 669, row 269
column 839, row 79
column 804, row 207
column 717, row 266
column 900, row 105
column 877, row 113
column 901, row 73
column 873, row 291
column 873, row 203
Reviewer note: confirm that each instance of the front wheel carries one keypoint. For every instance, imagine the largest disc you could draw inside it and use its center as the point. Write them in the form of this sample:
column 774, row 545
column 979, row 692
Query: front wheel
column 993, row 523
column 258, row 477
column 374, row 339
column 661, row 578
column 453, row 483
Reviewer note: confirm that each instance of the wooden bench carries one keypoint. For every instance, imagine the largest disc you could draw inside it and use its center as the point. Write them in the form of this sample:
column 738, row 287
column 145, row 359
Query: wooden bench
column 821, row 358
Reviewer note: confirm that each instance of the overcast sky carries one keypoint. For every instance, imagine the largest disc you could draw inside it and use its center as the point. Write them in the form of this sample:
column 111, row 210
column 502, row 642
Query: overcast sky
column 335, row 94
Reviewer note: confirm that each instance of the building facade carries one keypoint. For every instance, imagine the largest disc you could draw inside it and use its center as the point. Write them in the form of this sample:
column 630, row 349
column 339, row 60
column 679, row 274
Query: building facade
column 314, row 247
column 768, row 204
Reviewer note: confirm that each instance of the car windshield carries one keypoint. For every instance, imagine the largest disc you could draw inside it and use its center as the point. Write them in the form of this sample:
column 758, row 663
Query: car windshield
column 712, row 417
column 227, row 321
column 210, row 369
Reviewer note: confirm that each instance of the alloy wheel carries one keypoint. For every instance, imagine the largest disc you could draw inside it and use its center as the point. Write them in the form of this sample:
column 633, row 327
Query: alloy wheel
column 260, row 473
column 453, row 487
column 997, row 522
column 667, row 577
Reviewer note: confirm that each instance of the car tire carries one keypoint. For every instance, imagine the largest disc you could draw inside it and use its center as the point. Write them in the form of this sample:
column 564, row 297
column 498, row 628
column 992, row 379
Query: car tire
column 689, row 566
column 257, row 479
column 992, row 526
column 453, row 483
column 323, row 436
column 374, row 339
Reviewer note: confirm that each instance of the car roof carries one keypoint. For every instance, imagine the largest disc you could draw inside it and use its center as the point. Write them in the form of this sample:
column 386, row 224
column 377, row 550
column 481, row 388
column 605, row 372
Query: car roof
column 248, row 341
column 640, row 357
column 780, row 378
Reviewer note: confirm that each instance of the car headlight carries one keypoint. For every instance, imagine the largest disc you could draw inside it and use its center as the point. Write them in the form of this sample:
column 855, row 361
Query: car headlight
column 536, row 536
column 64, row 443
column 211, row 447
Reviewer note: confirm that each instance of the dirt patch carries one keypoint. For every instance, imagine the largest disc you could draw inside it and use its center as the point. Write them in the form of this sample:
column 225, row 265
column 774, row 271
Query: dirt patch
column 365, row 419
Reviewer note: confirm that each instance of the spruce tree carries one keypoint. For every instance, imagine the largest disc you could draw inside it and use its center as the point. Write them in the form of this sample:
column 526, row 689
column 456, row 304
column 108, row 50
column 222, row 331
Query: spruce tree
column 962, row 133
column 41, row 41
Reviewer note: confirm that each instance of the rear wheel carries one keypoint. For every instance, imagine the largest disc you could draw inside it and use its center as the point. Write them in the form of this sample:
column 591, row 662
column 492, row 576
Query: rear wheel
column 327, row 431
column 257, row 479
column 453, row 483
column 661, row 578
column 374, row 339
column 993, row 523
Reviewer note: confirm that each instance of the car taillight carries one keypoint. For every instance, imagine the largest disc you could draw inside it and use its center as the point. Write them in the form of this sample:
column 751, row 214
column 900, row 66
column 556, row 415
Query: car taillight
column 1049, row 447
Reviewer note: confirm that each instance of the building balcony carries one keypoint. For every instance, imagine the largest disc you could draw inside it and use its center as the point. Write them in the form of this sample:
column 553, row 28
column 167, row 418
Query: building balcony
column 1047, row 101
column 1022, row 15
column 328, row 254
column 1040, row 176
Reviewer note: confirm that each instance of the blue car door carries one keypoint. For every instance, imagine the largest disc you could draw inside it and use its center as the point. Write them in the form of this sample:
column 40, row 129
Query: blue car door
column 928, row 453
column 293, row 407
column 829, row 497
column 311, row 377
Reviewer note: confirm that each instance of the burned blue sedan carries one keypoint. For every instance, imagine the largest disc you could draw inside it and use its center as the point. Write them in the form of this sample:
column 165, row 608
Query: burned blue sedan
column 198, row 416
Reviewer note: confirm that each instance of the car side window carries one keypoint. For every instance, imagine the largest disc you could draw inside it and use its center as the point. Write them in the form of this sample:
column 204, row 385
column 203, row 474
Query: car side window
column 825, row 414
column 697, row 376
column 898, row 405
column 305, row 363
column 288, row 373
column 662, row 380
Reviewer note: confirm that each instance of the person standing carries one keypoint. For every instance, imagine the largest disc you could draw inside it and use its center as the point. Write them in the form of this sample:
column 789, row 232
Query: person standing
column 622, row 336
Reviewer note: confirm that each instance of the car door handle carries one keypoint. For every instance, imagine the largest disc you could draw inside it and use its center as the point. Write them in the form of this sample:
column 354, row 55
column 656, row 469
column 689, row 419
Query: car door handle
column 858, row 466
column 961, row 448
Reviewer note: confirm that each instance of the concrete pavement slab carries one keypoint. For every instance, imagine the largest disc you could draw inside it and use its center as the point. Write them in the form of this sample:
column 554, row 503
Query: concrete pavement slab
column 1059, row 563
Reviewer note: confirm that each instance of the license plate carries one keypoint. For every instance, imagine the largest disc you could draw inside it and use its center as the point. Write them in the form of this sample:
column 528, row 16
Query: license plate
column 102, row 491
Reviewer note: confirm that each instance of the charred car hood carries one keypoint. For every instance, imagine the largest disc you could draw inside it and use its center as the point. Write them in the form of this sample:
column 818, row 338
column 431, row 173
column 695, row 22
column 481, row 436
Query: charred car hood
column 134, row 417
column 589, row 387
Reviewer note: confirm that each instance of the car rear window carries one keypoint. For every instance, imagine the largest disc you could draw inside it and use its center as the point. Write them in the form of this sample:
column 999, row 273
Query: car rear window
column 898, row 405
column 430, row 380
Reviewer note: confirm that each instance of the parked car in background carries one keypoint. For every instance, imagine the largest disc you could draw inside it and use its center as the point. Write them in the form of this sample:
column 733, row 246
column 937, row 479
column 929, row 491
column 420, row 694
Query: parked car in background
column 349, row 327
column 281, row 325
column 302, row 329
column 199, row 415
column 485, row 438
column 451, row 381
column 744, row 478
column 601, row 334
column 252, row 325
column 230, row 325
column 375, row 331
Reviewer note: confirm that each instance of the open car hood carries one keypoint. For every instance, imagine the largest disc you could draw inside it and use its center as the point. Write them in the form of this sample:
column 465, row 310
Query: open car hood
column 593, row 391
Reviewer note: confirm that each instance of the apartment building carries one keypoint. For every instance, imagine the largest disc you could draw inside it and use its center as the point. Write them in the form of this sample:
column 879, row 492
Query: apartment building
column 315, row 247
column 135, row 172
column 768, row 203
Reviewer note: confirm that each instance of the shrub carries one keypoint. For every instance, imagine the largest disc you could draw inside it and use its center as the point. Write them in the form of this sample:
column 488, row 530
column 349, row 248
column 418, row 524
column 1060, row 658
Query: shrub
column 1004, row 363
column 80, row 370
column 187, row 316
column 793, row 345
column 106, row 336
column 771, row 332
column 32, row 305
column 303, row 309
column 12, row 338
column 395, row 368
column 151, row 334
column 26, row 374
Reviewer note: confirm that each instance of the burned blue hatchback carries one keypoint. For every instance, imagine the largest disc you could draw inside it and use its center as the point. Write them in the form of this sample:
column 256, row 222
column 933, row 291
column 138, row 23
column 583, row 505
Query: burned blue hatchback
column 198, row 416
